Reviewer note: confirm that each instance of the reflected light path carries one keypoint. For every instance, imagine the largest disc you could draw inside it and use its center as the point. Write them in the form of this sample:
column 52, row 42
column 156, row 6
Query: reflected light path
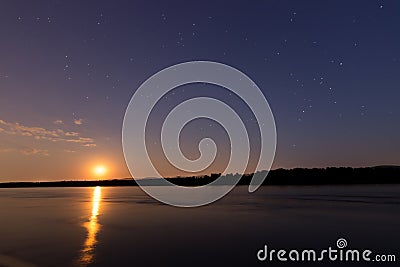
column 92, row 226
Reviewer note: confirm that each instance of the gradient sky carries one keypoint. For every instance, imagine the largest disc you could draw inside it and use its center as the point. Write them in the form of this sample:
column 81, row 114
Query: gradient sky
column 329, row 69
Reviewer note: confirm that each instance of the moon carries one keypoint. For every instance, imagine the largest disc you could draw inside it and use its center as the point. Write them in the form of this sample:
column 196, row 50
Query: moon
column 100, row 170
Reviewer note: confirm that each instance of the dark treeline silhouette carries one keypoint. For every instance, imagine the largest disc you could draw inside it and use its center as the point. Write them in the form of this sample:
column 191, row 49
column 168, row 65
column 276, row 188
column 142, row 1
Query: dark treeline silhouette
column 297, row 176
column 314, row 176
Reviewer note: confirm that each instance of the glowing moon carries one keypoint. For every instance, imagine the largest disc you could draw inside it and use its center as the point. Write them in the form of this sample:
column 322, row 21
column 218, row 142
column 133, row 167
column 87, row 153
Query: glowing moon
column 100, row 170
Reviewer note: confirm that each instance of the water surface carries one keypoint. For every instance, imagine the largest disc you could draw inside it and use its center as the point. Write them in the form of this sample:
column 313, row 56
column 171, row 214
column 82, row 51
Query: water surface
column 122, row 226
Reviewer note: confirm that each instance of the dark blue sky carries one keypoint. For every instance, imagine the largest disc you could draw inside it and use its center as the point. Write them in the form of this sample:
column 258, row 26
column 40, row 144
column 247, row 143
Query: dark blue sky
column 329, row 69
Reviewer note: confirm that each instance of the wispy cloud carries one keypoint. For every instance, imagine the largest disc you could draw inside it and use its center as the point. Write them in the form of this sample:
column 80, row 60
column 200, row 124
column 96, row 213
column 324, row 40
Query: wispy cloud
column 89, row 145
column 58, row 122
column 40, row 133
column 27, row 151
column 34, row 151
column 71, row 134
column 78, row 121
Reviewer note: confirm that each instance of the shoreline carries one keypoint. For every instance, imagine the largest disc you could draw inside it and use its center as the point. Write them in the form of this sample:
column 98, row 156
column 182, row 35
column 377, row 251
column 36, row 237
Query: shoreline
column 291, row 177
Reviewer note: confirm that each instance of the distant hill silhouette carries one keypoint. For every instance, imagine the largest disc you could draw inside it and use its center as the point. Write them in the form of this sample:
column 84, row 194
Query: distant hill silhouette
column 297, row 176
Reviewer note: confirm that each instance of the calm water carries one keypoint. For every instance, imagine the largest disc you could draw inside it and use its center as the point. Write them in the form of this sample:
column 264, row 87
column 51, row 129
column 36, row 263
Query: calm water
column 120, row 226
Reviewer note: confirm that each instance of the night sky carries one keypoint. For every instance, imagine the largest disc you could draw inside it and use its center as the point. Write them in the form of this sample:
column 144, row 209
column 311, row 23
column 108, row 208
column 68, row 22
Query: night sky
column 329, row 69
